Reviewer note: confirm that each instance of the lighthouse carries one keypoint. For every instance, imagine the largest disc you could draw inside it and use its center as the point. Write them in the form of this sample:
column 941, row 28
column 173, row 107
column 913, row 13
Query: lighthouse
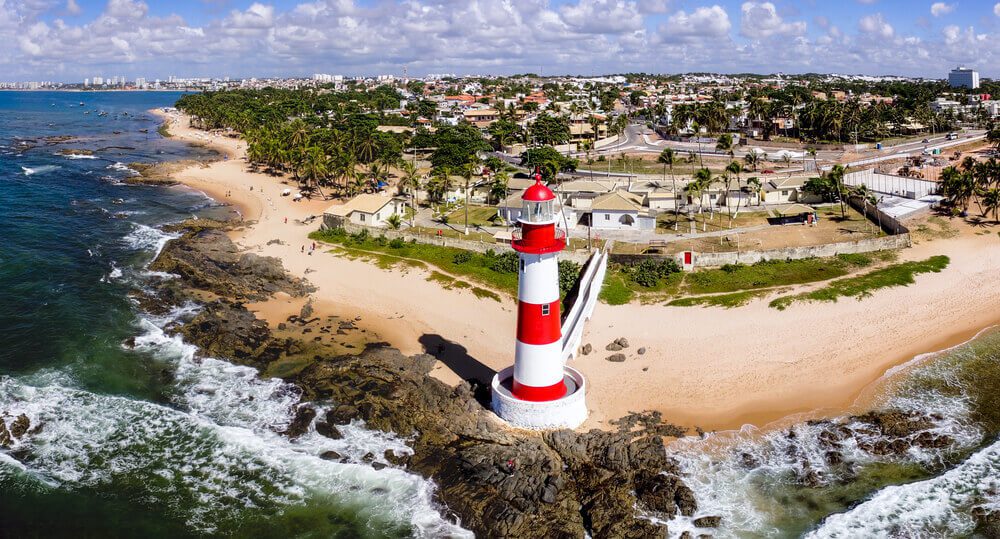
column 539, row 391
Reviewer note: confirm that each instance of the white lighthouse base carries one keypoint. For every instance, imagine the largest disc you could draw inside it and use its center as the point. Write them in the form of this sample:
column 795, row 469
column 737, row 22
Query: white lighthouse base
column 568, row 412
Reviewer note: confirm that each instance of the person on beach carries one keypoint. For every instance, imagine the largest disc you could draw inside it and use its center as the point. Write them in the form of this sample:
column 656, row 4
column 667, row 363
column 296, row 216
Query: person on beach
column 303, row 248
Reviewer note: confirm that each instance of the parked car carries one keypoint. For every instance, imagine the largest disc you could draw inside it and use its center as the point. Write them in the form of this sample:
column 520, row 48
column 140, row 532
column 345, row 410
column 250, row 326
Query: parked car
column 925, row 141
column 768, row 171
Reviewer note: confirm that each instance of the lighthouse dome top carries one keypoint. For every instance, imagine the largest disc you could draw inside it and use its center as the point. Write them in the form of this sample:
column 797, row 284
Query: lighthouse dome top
column 538, row 192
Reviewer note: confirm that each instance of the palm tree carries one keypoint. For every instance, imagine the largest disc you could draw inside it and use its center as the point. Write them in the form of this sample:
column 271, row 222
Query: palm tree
column 991, row 202
column 812, row 152
column 836, row 175
column 752, row 159
column 313, row 168
column 394, row 221
column 667, row 157
column 725, row 144
column 703, row 181
column 733, row 168
column 754, row 185
column 468, row 171
column 411, row 182
column 787, row 159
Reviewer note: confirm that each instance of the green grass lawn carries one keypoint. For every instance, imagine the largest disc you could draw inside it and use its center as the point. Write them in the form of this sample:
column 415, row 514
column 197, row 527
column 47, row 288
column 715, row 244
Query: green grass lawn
column 479, row 268
column 861, row 286
column 478, row 216
column 735, row 285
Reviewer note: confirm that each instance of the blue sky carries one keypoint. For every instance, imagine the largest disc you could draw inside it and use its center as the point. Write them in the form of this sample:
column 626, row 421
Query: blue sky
column 72, row 39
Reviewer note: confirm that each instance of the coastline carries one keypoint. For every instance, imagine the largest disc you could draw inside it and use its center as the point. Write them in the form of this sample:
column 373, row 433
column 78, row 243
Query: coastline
column 713, row 368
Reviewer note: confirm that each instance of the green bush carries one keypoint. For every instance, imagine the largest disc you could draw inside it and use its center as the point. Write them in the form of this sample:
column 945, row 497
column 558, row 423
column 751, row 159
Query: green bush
column 397, row 243
column 506, row 262
column 381, row 241
column 648, row 273
column 462, row 257
column 569, row 272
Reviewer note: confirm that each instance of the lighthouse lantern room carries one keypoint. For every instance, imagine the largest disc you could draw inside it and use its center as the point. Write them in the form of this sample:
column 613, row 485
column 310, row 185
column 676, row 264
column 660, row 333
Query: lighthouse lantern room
column 539, row 391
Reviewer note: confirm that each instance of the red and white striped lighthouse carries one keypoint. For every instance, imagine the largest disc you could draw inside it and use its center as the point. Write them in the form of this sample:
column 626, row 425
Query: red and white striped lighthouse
column 540, row 391
column 538, row 366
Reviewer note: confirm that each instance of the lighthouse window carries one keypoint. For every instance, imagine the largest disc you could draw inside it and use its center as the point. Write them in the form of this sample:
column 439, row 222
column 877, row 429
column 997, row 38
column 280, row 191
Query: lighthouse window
column 545, row 310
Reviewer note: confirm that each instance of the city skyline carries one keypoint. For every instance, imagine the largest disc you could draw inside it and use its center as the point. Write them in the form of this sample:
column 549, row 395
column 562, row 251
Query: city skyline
column 68, row 41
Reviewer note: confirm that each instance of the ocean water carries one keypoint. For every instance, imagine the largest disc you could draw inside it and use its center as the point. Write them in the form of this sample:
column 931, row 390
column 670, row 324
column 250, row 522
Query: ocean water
column 150, row 440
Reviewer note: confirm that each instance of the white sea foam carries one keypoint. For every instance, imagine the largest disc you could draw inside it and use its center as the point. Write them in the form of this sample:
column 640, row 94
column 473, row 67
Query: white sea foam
column 222, row 448
column 39, row 170
column 250, row 412
column 122, row 167
column 938, row 507
column 144, row 237
column 737, row 475
column 78, row 156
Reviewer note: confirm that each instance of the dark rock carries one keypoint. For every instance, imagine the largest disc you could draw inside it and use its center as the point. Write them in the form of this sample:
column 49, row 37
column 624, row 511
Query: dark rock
column 613, row 347
column 300, row 423
column 616, row 358
column 707, row 522
column 622, row 341
column 834, row 458
column 325, row 429
column 641, row 351
column 399, row 460
column 369, row 457
column 330, row 455
column 19, row 426
column 586, row 349
column 378, row 466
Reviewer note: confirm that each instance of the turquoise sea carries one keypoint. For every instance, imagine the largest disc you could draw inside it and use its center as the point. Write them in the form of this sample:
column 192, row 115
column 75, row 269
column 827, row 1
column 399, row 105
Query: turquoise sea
column 153, row 440
column 145, row 441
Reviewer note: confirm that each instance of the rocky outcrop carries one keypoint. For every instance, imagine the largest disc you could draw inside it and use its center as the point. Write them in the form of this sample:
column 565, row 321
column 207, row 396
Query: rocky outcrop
column 504, row 482
column 501, row 481
column 206, row 259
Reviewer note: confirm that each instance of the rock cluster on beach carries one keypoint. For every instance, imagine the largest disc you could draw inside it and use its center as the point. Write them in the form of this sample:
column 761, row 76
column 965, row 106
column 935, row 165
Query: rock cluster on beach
column 499, row 481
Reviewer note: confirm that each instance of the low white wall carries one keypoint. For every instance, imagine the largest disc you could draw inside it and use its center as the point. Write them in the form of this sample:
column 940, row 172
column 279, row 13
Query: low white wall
column 583, row 307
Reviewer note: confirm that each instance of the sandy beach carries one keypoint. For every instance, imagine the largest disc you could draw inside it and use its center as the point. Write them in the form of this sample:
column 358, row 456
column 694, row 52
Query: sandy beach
column 708, row 367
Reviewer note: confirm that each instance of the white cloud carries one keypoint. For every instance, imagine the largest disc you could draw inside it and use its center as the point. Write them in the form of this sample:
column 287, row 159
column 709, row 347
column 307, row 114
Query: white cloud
column 940, row 8
column 468, row 36
column 996, row 9
column 703, row 23
column 72, row 7
column 876, row 25
column 601, row 16
column 761, row 20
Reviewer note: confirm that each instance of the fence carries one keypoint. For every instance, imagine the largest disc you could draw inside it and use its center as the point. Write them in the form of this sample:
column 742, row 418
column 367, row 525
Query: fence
column 890, row 184
column 580, row 257
column 583, row 305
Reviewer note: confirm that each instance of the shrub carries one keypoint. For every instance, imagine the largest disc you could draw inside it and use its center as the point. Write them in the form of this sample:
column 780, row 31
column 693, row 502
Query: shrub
column 569, row 272
column 381, row 241
column 462, row 257
column 397, row 243
column 504, row 262
column 732, row 268
column 648, row 273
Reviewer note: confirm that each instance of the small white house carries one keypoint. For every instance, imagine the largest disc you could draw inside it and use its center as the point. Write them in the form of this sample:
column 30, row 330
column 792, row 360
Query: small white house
column 366, row 209
column 620, row 210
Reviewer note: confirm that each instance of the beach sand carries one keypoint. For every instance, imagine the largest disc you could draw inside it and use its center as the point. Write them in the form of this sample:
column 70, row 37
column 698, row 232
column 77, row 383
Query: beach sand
column 709, row 367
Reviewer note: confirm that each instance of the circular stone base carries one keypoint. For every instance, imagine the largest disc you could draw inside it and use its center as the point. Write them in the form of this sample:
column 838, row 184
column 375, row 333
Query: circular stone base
column 567, row 412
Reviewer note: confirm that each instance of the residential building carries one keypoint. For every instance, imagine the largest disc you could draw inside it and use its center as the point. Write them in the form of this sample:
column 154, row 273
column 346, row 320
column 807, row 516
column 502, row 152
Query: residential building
column 364, row 209
column 620, row 210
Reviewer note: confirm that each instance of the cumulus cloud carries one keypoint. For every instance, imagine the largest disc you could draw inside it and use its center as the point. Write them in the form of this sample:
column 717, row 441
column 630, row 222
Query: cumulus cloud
column 702, row 23
column 761, row 20
column 875, row 25
column 260, row 38
column 72, row 7
column 601, row 16
column 996, row 9
column 940, row 8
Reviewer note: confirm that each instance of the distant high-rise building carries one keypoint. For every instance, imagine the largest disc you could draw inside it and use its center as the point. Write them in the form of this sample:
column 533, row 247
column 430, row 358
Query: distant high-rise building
column 98, row 81
column 964, row 77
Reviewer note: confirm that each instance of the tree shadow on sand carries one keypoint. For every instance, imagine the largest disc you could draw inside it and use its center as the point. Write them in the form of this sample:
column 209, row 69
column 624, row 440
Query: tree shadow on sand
column 456, row 357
